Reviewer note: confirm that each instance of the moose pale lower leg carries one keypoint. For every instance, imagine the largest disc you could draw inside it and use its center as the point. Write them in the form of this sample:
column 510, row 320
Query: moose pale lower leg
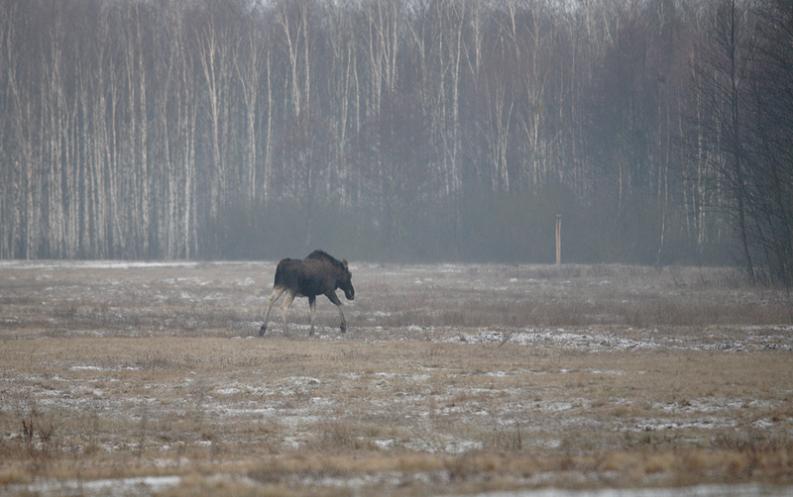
column 343, row 324
column 277, row 292
column 285, row 306
column 333, row 298
column 312, row 307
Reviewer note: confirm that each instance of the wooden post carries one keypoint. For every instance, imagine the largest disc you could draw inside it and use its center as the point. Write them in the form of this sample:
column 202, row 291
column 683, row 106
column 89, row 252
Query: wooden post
column 558, row 239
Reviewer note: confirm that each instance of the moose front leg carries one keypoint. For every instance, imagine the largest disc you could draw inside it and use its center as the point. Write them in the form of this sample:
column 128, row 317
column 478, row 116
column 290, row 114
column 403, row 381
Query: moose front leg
column 333, row 298
column 312, row 307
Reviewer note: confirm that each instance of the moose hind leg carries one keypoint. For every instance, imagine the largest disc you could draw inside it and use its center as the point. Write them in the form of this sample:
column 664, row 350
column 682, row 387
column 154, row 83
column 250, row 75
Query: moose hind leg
column 277, row 292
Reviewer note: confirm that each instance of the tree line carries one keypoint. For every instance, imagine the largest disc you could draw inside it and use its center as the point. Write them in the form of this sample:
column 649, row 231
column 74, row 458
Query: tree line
column 398, row 129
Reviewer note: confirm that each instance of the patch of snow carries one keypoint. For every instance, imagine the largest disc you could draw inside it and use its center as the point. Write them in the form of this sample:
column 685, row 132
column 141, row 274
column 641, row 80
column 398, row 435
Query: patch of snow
column 747, row 490
column 706, row 423
column 120, row 486
column 384, row 444
column 607, row 372
column 711, row 405
column 554, row 443
column 297, row 420
column 291, row 442
column 303, row 380
column 392, row 479
column 215, row 296
column 86, row 368
column 555, row 406
column 228, row 391
column 416, row 377
column 462, row 446
column 496, row 374
column 257, row 411
column 443, row 444
column 451, row 268
column 763, row 424
column 597, row 339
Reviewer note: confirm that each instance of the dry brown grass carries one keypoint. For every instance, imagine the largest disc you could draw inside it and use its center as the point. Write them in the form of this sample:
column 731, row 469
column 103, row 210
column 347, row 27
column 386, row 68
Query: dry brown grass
column 393, row 410
column 510, row 412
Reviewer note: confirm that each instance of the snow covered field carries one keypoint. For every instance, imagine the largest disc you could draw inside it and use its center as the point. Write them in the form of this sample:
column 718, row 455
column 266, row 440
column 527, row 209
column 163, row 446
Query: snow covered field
column 130, row 378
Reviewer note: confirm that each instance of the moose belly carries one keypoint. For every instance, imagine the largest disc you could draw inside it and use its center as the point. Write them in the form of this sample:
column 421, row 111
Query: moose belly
column 311, row 288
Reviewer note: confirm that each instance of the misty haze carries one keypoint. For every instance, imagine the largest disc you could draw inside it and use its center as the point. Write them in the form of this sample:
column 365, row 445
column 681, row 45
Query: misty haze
column 536, row 248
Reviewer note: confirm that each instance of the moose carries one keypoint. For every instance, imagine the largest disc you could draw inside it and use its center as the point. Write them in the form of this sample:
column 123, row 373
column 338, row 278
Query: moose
column 318, row 274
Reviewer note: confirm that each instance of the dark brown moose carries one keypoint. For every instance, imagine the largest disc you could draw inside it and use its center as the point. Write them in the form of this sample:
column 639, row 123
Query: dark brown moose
column 317, row 274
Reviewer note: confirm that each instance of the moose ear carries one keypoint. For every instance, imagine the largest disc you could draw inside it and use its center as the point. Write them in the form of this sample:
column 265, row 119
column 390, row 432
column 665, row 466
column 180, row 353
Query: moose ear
column 344, row 261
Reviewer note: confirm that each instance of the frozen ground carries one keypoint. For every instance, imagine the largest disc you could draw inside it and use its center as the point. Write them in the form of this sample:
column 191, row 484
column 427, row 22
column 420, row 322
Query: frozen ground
column 577, row 307
column 122, row 378
column 150, row 485
column 696, row 491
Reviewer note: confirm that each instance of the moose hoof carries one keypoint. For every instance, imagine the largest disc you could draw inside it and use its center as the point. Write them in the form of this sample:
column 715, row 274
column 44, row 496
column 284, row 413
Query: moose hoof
column 343, row 327
column 262, row 330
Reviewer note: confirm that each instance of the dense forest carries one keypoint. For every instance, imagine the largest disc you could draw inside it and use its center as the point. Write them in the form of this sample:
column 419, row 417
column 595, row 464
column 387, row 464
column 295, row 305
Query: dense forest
column 661, row 130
